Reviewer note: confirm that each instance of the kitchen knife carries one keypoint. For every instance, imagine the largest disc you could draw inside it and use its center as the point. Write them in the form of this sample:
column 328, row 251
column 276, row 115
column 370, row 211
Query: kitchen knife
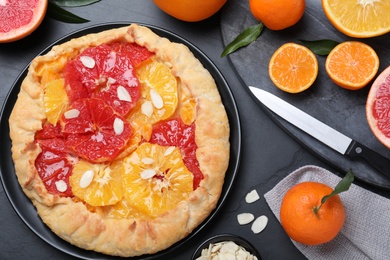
column 322, row 132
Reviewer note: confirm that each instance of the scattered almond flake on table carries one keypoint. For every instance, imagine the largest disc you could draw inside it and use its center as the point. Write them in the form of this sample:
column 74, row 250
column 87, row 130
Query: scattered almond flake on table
column 245, row 218
column 225, row 250
column 252, row 196
column 259, row 224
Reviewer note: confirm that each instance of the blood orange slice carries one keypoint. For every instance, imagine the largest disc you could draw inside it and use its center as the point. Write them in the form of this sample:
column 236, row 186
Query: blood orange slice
column 378, row 107
column 20, row 18
column 95, row 131
column 156, row 179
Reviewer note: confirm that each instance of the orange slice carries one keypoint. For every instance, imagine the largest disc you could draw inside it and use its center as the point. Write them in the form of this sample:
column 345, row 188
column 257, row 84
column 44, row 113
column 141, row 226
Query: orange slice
column 20, row 18
column 352, row 65
column 293, row 68
column 156, row 179
column 55, row 100
column 97, row 184
column 360, row 19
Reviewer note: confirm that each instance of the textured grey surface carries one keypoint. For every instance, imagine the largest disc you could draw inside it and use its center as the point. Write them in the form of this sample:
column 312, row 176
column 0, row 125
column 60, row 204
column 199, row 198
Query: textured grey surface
column 342, row 109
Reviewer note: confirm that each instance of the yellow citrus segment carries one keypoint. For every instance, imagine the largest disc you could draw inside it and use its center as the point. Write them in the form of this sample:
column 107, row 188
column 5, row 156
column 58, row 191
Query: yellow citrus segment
column 156, row 179
column 55, row 100
column 293, row 68
column 352, row 64
column 360, row 19
column 187, row 108
column 97, row 184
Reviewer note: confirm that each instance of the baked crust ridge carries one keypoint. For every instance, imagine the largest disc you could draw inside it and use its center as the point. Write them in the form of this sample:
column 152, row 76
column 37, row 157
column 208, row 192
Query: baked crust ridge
column 70, row 219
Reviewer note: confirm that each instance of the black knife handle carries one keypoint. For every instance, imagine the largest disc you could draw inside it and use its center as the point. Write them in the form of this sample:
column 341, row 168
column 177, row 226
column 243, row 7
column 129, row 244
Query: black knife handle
column 377, row 161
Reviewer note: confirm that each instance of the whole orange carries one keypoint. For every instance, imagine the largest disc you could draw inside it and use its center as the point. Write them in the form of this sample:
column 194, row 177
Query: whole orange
column 190, row 10
column 299, row 220
column 277, row 14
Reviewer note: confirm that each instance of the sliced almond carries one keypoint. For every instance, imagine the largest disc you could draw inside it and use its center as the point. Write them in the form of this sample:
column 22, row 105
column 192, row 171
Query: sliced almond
column 252, row 196
column 259, row 224
column 147, row 161
column 147, row 174
column 86, row 179
column 61, row 185
column 123, row 94
column 87, row 61
column 72, row 113
column 118, row 126
column 169, row 150
column 157, row 100
column 147, row 108
column 245, row 218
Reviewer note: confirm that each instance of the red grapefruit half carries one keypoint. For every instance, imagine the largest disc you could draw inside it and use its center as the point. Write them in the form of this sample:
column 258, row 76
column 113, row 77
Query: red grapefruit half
column 378, row 107
column 20, row 18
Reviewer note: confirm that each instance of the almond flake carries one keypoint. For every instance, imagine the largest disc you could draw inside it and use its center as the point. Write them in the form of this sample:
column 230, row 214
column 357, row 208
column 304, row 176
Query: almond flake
column 259, row 224
column 147, row 108
column 156, row 99
column 110, row 81
column 147, row 174
column 87, row 61
column 147, row 161
column 118, row 126
column 123, row 94
column 86, row 179
column 252, row 196
column 169, row 150
column 245, row 218
column 61, row 186
column 73, row 113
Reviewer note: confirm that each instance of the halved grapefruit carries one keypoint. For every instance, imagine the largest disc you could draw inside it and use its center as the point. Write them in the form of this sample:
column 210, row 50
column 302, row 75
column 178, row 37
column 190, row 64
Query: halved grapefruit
column 378, row 107
column 20, row 18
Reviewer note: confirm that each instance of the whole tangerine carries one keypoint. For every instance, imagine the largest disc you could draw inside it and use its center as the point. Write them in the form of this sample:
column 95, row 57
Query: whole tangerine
column 190, row 10
column 302, row 223
column 277, row 14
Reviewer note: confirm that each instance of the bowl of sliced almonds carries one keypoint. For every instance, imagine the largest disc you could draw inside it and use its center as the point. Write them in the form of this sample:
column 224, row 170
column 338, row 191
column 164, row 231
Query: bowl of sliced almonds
column 226, row 246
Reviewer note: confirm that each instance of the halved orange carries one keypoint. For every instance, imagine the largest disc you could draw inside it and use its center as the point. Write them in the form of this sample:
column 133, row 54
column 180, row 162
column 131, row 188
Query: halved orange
column 293, row 68
column 352, row 64
column 55, row 100
column 359, row 19
column 20, row 18
column 156, row 179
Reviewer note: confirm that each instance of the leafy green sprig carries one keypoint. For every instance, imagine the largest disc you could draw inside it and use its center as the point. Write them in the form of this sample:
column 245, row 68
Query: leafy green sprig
column 56, row 10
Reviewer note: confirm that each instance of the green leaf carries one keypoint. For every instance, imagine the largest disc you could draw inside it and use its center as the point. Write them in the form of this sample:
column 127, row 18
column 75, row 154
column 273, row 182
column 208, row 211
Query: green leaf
column 320, row 47
column 58, row 13
column 249, row 35
column 343, row 185
column 73, row 3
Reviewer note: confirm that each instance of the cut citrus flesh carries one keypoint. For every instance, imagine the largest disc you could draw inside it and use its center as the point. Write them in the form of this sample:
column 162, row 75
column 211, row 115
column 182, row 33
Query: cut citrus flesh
column 378, row 107
column 156, row 179
column 103, row 188
column 352, row 64
column 293, row 68
column 55, row 100
column 359, row 19
column 19, row 18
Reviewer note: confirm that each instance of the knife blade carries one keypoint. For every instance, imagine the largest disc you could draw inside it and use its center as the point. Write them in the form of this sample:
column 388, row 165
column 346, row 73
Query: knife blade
column 322, row 132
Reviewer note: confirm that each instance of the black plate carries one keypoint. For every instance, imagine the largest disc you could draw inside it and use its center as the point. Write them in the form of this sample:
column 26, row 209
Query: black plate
column 23, row 205
column 339, row 108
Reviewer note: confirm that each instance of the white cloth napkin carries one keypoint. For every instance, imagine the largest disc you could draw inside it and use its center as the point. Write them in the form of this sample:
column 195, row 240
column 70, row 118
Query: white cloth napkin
column 366, row 232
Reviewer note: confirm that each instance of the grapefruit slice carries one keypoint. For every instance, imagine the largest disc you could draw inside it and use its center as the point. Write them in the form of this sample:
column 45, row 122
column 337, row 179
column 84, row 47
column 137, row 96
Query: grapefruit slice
column 378, row 107
column 95, row 131
column 19, row 18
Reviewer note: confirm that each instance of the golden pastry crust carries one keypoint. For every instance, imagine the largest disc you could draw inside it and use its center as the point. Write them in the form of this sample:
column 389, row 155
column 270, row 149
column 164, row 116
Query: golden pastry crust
column 71, row 220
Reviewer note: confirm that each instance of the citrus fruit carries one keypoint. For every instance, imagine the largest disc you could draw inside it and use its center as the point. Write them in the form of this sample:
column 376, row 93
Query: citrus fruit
column 359, row 19
column 299, row 220
column 94, row 130
column 97, row 184
column 352, row 64
column 378, row 107
column 189, row 10
column 277, row 14
column 20, row 18
column 55, row 100
column 293, row 68
column 156, row 179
